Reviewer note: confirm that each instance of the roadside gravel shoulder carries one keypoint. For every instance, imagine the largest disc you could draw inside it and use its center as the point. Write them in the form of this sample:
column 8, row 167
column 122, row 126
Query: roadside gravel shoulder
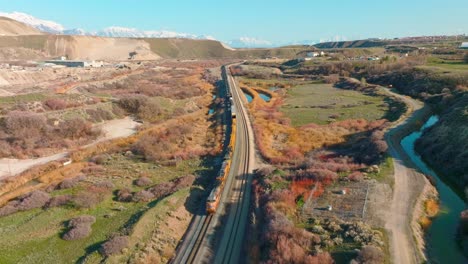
column 406, row 246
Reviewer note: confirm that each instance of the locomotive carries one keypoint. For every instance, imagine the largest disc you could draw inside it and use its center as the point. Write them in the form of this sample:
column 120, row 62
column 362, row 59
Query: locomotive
column 213, row 199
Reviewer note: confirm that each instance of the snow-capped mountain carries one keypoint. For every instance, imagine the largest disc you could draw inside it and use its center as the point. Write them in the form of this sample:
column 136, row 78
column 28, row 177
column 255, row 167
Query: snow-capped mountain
column 124, row 32
column 76, row 32
column 249, row 42
column 114, row 32
column 42, row 25
column 136, row 33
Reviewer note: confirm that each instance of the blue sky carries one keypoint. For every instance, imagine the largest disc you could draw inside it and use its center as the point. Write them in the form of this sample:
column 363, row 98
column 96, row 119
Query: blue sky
column 276, row 21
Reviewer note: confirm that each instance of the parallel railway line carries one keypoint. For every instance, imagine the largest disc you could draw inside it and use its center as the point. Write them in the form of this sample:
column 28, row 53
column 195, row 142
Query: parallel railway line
column 236, row 193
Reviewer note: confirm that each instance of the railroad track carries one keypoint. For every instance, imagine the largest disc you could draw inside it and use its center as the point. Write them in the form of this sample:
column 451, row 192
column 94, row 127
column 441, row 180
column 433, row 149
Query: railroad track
column 197, row 243
column 232, row 241
column 236, row 193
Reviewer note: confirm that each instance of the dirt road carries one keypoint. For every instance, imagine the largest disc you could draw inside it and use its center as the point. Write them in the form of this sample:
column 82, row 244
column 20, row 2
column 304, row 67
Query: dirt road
column 409, row 184
column 112, row 129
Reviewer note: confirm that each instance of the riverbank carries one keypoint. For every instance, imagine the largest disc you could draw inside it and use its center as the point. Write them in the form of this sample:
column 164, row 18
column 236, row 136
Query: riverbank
column 440, row 236
column 406, row 236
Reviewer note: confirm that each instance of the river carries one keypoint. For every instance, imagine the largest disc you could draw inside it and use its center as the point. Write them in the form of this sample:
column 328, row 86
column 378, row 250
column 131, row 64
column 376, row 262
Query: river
column 264, row 96
column 440, row 242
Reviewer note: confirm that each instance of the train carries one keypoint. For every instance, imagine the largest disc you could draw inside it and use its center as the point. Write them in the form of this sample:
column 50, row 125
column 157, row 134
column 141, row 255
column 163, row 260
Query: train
column 215, row 195
column 213, row 199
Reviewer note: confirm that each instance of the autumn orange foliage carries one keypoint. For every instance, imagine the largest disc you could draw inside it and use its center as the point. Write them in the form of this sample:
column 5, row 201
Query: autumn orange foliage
column 279, row 142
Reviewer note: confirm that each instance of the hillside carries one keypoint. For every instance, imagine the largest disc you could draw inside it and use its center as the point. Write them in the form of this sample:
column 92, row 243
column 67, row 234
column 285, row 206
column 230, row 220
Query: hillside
column 453, row 41
column 446, row 144
column 352, row 44
column 75, row 47
column 10, row 27
column 98, row 48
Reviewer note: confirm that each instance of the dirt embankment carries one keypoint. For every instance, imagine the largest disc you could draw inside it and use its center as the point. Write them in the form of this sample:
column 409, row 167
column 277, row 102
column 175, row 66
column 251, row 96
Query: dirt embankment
column 406, row 241
column 97, row 48
column 76, row 47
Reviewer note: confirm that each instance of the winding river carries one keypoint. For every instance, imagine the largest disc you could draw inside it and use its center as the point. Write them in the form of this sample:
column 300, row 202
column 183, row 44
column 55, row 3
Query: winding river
column 441, row 243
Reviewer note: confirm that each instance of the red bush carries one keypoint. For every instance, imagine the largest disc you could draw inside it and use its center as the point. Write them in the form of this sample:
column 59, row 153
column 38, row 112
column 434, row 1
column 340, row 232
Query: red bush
column 356, row 176
column 55, row 104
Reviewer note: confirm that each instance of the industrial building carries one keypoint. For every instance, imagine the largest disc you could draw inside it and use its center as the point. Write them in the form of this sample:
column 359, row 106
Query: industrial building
column 75, row 63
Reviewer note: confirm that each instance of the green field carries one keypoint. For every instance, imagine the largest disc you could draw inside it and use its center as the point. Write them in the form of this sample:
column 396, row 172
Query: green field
column 35, row 236
column 321, row 103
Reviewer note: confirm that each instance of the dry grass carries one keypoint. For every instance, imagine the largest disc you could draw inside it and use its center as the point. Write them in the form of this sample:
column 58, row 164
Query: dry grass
column 431, row 207
column 279, row 141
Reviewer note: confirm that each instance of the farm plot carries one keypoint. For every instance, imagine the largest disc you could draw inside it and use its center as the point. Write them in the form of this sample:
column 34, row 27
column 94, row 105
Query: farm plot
column 345, row 201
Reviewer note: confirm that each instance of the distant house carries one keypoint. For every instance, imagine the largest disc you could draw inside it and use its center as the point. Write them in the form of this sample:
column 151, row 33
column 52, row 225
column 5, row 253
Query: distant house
column 312, row 54
column 464, row 45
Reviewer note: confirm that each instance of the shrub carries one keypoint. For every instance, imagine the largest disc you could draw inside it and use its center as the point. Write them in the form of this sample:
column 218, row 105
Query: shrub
column 80, row 227
column 55, row 104
column 124, row 195
column 183, row 182
column 69, row 183
column 76, row 128
column 143, row 181
column 114, row 245
column 58, row 201
column 105, row 185
column 356, row 176
column 162, row 189
column 143, row 196
column 265, row 171
column 9, row 209
column 99, row 159
column 78, row 232
column 370, row 255
column 86, row 199
column 149, row 111
column 34, row 199
column 133, row 103
column 25, row 125
column 82, row 219
column 98, row 115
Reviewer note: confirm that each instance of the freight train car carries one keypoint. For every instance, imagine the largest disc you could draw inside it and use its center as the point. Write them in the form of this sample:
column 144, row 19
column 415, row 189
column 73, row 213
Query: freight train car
column 215, row 195
column 213, row 200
